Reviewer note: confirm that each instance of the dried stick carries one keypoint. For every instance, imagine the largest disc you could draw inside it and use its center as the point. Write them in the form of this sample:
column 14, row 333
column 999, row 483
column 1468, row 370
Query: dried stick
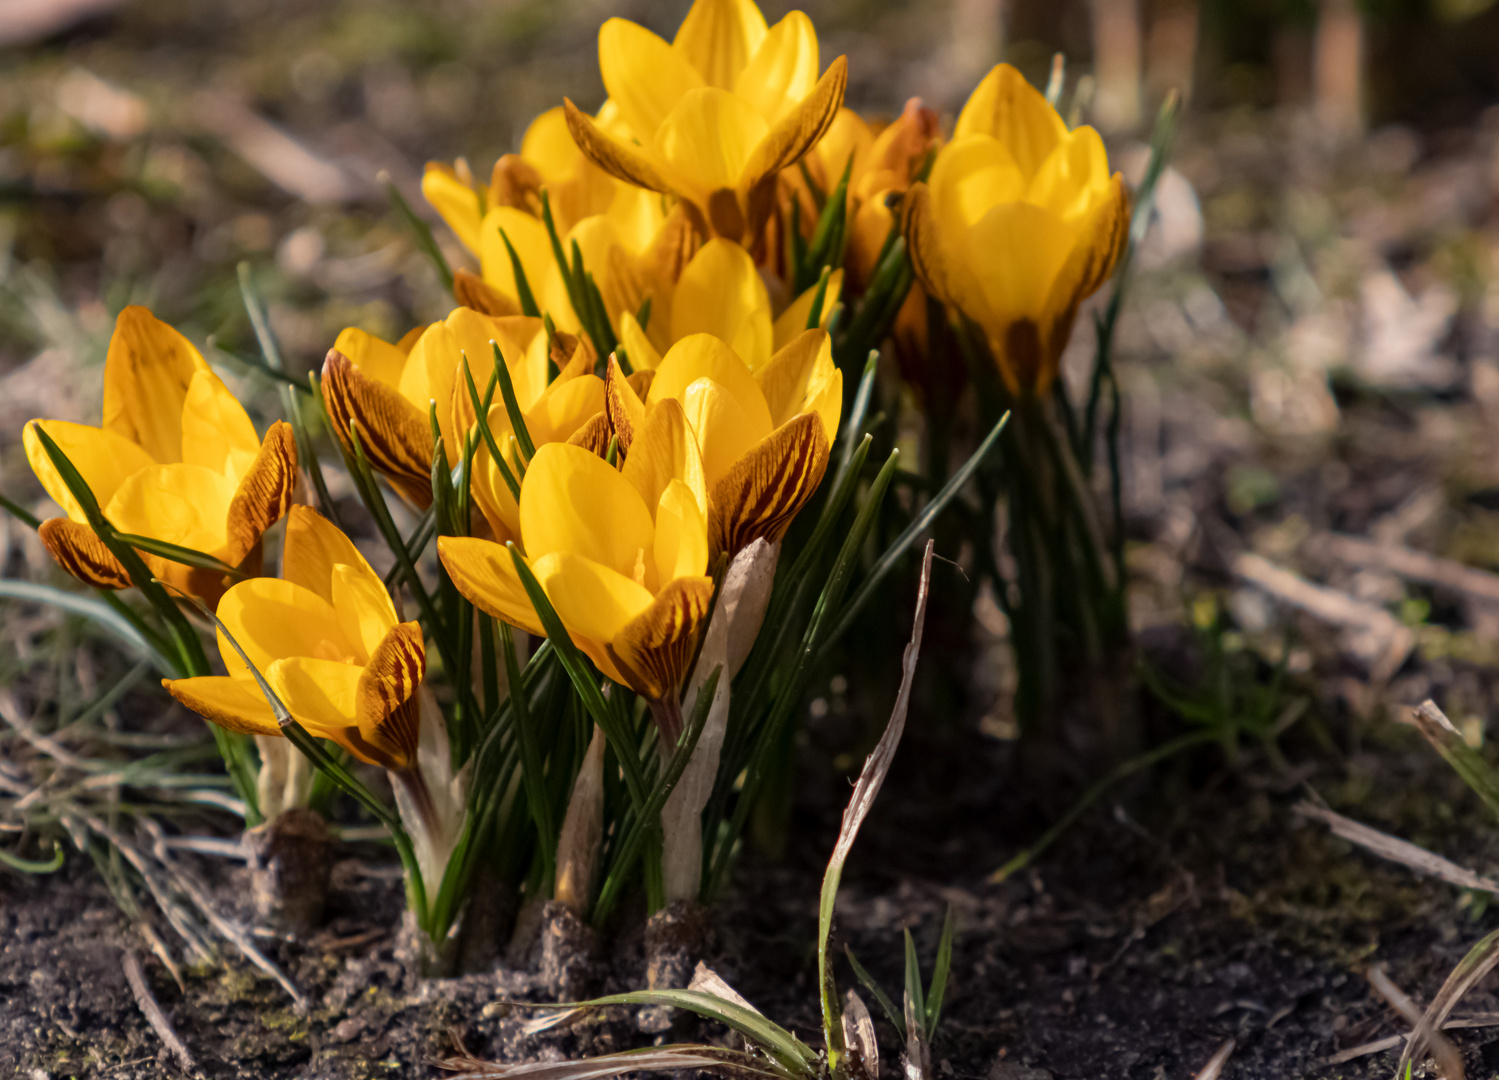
column 154, row 1016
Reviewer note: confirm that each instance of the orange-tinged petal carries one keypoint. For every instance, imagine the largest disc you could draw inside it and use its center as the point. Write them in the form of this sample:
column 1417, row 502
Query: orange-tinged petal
column 396, row 436
column 385, row 707
column 364, row 609
column 81, row 553
column 376, row 359
column 216, row 432
column 232, row 704
column 472, row 291
column 146, row 376
column 264, row 494
column 799, row 129
column 455, row 201
column 924, row 243
column 272, row 619
column 705, row 356
column 721, row 293
column 763, row 493
column 724, row 431
column 681, row 548
column 615, row 157
column 186, row 505
column 656, row 647
column 592, row 600
column 645, row 77
column 783, row 69
column 322, row 696
column 574, row 501
column 718, row 37
column 312, row 548
column 665, row 450
column 707, row 141
column 484, row 573
column 1007, row 107
column 104, row 459
column 793, row 320
column 798, row 370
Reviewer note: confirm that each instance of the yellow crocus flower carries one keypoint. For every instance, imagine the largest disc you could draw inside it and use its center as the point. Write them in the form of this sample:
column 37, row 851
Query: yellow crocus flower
column 621, row 553
column 328, row 640
column 1021, row 222
column 715, row 116
column 388, row 390
column 763, row 436
column 175, row 459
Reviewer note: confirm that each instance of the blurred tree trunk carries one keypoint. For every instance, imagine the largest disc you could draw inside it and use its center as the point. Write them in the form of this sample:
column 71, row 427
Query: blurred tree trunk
column 1338, row 68
column 1171, row 48
column 1116, row 63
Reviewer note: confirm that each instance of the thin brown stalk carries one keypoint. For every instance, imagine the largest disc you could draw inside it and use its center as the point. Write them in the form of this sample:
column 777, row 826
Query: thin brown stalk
column 154, row 1016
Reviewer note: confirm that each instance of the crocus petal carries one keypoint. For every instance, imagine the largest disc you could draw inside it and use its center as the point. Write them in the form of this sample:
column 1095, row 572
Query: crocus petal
column 1102, row 235
column 146, row 376
column 721, row 293
column 783, row 69
column 472, row 291
column 322, row 696
column 1074, row 178
column 1007, row 107
column 924, row 243
column 665, row 451
column 528, row 236
column 271, row 619
column 718, row 37
column 81, row 553
column 793, row 320
column 624, row 407
column 798, row 371
column 592, row 600
column 216, row 432
column 385, row 710
column 615, row 157
column 971, row 176
column 707, row 140
column 564, row 408
column 103, row 458
column 396, row 437
column 186, row 505
column 1013, row 288
column 375, row 358
column 576, row 502
column 645, row 77
column 638, row 347
column 484, row 573
column 705, row 356
column 456, row 203
column 657, row 645
column 724, row 429
column 232, row 704
column 681, row 548
column 763, row 493
column 264, row 493
column 364, row 608
column 799, row 129
column 826, row 402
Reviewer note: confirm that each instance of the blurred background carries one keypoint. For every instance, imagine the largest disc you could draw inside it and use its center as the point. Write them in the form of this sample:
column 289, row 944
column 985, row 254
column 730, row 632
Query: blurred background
column 1313, row 345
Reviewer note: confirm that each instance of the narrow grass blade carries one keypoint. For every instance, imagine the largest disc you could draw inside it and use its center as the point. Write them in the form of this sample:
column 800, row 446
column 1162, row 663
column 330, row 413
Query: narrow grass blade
column 1477, row 773
column 20, row 513
column 530, row 756
column 523, row 291
column 96, row 611
column 853, row 425
column 897, row 1020
column 512, row 405
column 683, row 1059
column 915, row 995
column 420, row 231
column 33, row 866
column 178, row 554
column 938, row 987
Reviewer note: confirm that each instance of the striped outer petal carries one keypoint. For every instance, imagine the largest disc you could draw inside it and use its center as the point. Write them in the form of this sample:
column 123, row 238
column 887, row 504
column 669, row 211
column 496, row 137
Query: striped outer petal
column 264, row 494
column 654, row 649
column 788, row 142
column 924, row 242
column 82, row 554
column 594, row 436
column 232, row 704
column 484, row 573
column 763, row 492
column 624, row 407
column 472, row 291
column 613, row 156
column 385, row 701
column 396, row 437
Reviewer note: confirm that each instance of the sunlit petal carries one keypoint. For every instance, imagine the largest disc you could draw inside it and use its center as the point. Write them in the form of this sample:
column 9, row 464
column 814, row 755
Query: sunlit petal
column 721, row 293
column 485, row 574
column 718, row 37
column 574, row 501
column 103, row 458
column 233, row 704
column 146, row 376
column 645, row 77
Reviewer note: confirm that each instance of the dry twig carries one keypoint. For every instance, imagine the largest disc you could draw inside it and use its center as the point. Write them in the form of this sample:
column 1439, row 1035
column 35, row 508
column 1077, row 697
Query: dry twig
column 154, row 1016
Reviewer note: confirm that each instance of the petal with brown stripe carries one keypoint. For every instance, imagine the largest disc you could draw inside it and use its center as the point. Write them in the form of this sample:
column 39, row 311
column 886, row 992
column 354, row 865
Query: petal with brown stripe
column 397, row 438
column 765, row 489
column 924, row 242
column 799, row 131
column 232, row 704
column 610, row 154
column 264, row 494
column 385, row 699
column 656, row 646
column 472, row 291
column 594, row 436
column 82, row 554
column 625, row 407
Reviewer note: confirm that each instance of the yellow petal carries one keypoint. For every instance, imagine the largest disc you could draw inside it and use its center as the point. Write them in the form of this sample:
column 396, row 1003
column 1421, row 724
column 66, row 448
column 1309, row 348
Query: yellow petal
column 798, row 370
column 272, row 619
column 707, row 140
column 970, row 177
column 575, row 502
column 592, row 600
column 364, row 609
column 681, row 548
column 385, row 708
column 725, row 433
column 484, row 573
column 593, row 436
column 396, row 436
column 1074, row 177
column 472, row 291
column 496, row 503
column 565, row 408
column 800, row 128
column 656, row 647
column 103, row 458
column 645, row 77
column 1012, row 287
column 375, row 359
column 721, row 293
column 718, row 37
column 703, row 356
column 616, row 157
column 643, row 355
column 322, row 695
column 769, row 485
column 783, row 69
column 146, row 376
column 82, row 554
column 625, row 409
column 264, row 493
column 312, row 548
column 216, row 432
column 793, row 320
column 432, row 374
column 925, row 244
column 664, row 451
column 548, row 146
column 826, row 402
column 186, row 505
column 230, row 703
column 528, row 236
column 1010, row 109
column 456, row 203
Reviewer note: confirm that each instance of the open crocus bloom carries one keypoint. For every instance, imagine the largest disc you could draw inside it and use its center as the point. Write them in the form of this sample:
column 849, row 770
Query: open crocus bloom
column 1022, row 223
column 388, row 390
column 621, row 553
column 326, row 637
column 763, row 436
column 713, row 117
column 721, row 292
column 176, row 459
